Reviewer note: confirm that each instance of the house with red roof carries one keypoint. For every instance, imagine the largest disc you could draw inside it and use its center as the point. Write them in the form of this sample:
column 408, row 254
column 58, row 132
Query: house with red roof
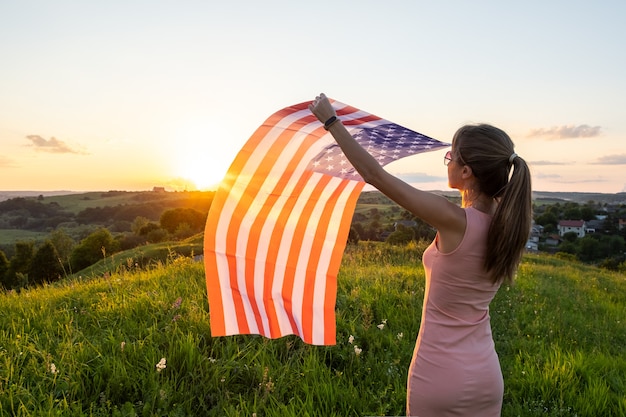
column 576, row 226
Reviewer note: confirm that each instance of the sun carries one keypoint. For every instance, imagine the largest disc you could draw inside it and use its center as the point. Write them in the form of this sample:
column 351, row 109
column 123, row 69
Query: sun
column 198, row 159
column 200, row 168
column 197, row 176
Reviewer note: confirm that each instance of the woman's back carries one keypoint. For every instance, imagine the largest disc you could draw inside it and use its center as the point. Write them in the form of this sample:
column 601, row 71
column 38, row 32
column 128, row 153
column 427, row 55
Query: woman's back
column 455, row 370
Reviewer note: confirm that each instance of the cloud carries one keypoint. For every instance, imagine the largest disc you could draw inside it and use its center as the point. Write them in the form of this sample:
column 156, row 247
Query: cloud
column 420, row 177
column 53, row 145
column 546, row 163
column 542, row 176
column 610, row 160
column 566, row 132
column 559, row 179
column 6, row 162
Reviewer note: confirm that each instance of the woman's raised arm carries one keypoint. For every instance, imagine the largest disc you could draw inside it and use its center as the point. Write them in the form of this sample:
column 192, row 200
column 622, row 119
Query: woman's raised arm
column 446, row 217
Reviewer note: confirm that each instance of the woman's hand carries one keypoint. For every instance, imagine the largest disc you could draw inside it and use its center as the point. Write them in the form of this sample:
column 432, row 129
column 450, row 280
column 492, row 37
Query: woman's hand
column 321, row 108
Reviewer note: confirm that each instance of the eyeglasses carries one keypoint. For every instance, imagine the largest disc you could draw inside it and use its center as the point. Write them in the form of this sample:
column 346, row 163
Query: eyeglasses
column 447, row 158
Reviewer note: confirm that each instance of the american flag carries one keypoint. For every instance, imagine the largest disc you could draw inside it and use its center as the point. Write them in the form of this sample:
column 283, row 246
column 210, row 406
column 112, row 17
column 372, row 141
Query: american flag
column 279, row 222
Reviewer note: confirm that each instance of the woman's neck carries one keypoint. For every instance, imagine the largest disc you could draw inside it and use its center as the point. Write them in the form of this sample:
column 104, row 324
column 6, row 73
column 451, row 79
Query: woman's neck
column 479, row 201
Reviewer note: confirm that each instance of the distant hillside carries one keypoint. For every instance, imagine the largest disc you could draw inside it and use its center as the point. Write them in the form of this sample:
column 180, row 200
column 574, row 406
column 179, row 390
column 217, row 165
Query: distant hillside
column 578, row 197
column 7, row 195
column 618, row 198
column 78, row 214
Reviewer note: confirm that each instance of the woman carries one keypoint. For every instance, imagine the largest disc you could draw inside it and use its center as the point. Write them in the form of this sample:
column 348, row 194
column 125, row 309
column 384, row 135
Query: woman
column 455, row 369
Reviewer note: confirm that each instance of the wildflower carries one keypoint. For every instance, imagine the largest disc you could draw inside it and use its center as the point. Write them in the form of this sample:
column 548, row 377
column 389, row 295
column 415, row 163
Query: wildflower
column 212, row 360
column 161, row 365
column 53, row 368
column 357, row 350
column 381, row 326
column 351, row 339
column 177, row 303
column 400, row 335
column 176, row 317
column 122, row 346
column 266, row 384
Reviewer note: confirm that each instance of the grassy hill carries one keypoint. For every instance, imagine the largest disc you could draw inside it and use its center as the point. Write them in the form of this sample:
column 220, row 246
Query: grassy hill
column 78, row 202
column 91, row 346
column 146, row 204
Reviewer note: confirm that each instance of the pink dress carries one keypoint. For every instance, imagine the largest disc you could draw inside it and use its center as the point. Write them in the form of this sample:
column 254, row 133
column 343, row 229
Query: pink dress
column 455, row 369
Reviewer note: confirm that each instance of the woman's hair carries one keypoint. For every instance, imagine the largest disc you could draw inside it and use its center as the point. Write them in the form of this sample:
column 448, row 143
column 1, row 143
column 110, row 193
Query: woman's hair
column 489, row 152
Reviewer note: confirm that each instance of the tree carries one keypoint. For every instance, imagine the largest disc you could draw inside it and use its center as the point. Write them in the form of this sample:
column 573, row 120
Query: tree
column 148, row 227
column 17, row 274
column 93, row 248
column 138, row 224
column 568, row 247
column 4, row 265
column 587, row 213
column 374, row 214
column 610, row 224
column 157, row 235
column 171, row 219
column 46, row 265
column 570, row 236
column 547, row 218
column 589, row 249
column 373, row 230
column 572, row 211
column 359, row 230
column 183, row 231
column 63, row 244
column 612, row 245
column 353, row 236
column 402, row 235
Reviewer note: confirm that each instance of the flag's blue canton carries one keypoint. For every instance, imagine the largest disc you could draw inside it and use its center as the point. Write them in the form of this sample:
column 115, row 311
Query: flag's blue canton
column 386, row 143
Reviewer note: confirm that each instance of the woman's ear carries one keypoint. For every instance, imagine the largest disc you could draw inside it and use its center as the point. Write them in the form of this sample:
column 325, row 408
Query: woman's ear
column 466, row 172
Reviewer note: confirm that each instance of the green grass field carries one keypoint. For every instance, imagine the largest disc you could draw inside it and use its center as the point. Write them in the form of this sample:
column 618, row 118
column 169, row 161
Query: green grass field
column 137, row 343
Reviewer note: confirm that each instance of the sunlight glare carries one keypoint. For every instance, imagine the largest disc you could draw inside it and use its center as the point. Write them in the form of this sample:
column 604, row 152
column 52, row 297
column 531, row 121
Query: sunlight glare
column 200, row 156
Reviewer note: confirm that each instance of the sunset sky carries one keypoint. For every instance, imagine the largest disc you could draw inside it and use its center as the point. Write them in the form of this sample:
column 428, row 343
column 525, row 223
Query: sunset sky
column 128, row 95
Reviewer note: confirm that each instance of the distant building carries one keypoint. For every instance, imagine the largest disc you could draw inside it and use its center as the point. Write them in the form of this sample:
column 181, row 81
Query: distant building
column 594, row 226
column 532, row 246
column 621, row 224
column 553, row 240
column 536, row 230
column 158, row 189
column 576, row 226
column 405, row 223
